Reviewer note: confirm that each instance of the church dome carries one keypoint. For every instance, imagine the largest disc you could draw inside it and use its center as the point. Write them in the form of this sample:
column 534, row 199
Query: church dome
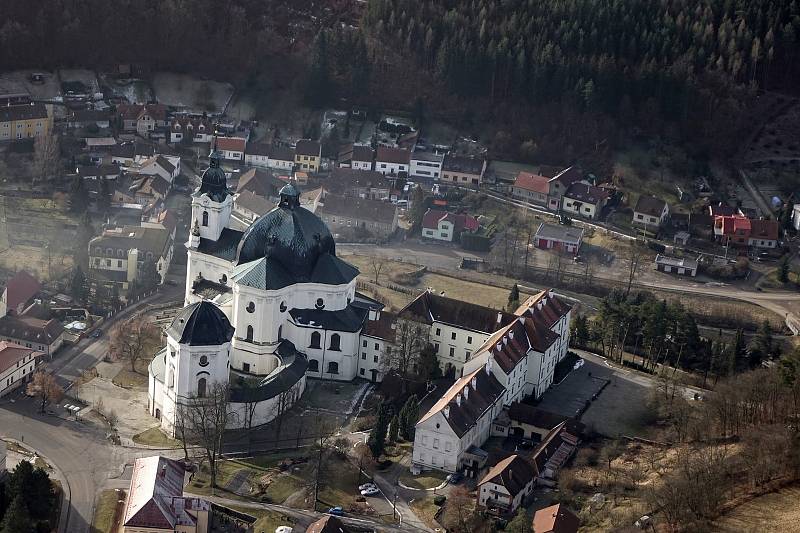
column 291, row 235
column 201, row 324
column 214, row 182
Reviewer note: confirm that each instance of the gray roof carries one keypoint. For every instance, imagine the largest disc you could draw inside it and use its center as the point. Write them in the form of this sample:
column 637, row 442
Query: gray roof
column 680, row 262
column 650, row 205
column 201, row 324
column 458, row 163
column 267, row 273
column 349, row 319
column 224, row 247
column 359, row 208
column 570, row 234
column 292, row 369
column 22, row 112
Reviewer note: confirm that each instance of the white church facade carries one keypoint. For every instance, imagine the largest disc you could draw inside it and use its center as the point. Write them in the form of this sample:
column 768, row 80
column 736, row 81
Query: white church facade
column 268, row 306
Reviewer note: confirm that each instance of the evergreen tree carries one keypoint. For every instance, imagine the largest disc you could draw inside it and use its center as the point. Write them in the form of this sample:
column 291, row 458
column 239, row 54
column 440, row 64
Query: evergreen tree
column 103, row 197
column 513, row 299
column 78, row 286
column 78, row 196
column 418, row 208
column 318, row 85
column 377, row 437
column 428, row 364
column 409, row 415
column 580, row 330
column 17, row 519
column 521, row 522
column 783, row 269
column 148, row 277
column 394, row 429
column 737, row 351
column 762, row 346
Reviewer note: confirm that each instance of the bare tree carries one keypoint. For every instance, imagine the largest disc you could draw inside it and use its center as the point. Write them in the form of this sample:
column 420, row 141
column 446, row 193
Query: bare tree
column 456, row 512
column 411, row 338
column 131, row 339
column 45, row 387
column 377, row 264
column 181, row 428
column 45, row 156
column 634, row 254
column 207, row 417
column 283, row 402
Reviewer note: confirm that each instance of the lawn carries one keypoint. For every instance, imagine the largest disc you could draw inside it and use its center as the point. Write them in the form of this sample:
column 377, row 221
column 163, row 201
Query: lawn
column 155, row 437
column 341, row 485
column 426, row 480
column 127, row 379
column 426, row 510
column 108, row 511
column 283, row 486
column 777, row 511
column 267, row 521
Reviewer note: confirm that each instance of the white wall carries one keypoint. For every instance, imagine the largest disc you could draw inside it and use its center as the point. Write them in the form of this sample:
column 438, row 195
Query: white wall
column 15, row 376
column 372, row 354
column 219, row 215
column 466, row 341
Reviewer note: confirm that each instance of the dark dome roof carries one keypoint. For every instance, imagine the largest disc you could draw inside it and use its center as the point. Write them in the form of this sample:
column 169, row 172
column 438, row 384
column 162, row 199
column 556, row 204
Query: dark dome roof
column 289, row 234
column 201, row 324
column 214, row 181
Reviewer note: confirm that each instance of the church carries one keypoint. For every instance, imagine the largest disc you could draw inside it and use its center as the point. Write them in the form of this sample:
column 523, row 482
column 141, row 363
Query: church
column 264, row 309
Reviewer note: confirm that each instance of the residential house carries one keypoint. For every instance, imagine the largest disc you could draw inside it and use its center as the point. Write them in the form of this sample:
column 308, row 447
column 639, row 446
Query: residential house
column 445, row 226
column 426, row 164
column 155, row 501
column 555, row 314
column 356, row 156
column 142, row 118
column 555, row 519
column 165, row 219
column 360, row 184
column 531, row 188
column 118, row 255
column 147, row 190
column 560, row 183
column 683, row 266
column 506, row 486
column 723, row 210
column 130, row 153
column 20, row 289
column 257, row 154
column 250, row 206
column 448, row 437
column 96, row 144
column 16, row 368
column 559, row 237
column 281, row 158
column 732, row 230
column 261, row 183
column 25, row 121
column 328, row 524
column 82, row 118
column 42, row 335
column 554, row 451
column 168, row 167
column 392, row 161
column 308, row 155
column 98, row 172
column 455, row 329
column 348, row 214
column 650, row 213
column 763, row 233
column 378, row 336
column 191, row 129
column 584, row 200
column 529, row 422
column 231, row 148
column 462, row 170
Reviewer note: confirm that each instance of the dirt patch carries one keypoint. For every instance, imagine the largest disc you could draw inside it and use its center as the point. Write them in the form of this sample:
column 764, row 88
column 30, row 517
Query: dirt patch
column 778, row 511
column 182, row 90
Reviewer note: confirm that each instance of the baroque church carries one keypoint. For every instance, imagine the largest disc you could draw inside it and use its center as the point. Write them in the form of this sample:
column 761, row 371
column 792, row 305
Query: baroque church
column 264, row 309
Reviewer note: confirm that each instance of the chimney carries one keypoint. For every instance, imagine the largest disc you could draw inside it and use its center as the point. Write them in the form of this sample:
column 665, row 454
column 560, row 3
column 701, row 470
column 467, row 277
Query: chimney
column 511, row 334
column 163, row 472
column 466, row 392
column 474, row 382
column 489, row 367
column 505, row 340
column 446, row 411
column 458, row 399
column 499, row 317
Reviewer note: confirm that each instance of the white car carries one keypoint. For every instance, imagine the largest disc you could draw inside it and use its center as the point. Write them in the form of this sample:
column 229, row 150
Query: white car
column 370, row 491
column 367, row 486
column 283, row 529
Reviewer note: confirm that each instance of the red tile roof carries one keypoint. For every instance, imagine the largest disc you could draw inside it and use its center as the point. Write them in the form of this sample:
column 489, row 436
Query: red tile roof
column 732, row 224
column 764, row 229
column 19, row 289
column 231, row 144
column 555, row 519
column 11, row 353
column 460, row 221
column 513, row 473
column 393, row 155
column 532, row 182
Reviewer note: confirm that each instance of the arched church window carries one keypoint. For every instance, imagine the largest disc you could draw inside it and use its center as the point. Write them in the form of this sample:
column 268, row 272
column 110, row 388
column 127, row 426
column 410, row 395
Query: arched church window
column 313, row 365
column 320, row 303
column 201, row 388
column 223, row 279
column 315, row 339
column 205, row 218
column 333, row 368
column 283, row 307
column 203, row 360
column 249, row 337
column 335, row 343
column 250, row 307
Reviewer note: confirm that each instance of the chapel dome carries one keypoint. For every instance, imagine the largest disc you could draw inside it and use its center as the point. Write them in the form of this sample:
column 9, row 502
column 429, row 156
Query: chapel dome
column 201, row 324
column 214, row 182
column 289, row 234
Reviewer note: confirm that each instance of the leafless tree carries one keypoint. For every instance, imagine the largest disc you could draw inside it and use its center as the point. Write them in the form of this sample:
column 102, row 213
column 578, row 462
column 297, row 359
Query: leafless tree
column 131, row 339
column 181, row 428
column 45, row 387
column 457, row 513
column 45, row 156
column 634, row 254
column 411, row 338
column 206, row 419
column 283, row 402
column 377, row 264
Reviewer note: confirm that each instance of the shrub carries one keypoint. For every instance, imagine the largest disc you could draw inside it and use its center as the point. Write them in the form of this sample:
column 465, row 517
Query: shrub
column 439, row 500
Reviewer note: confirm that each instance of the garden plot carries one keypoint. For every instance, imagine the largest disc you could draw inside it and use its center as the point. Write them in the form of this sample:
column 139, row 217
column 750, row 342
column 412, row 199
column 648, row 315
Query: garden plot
column 181, row 90
column 20, row 81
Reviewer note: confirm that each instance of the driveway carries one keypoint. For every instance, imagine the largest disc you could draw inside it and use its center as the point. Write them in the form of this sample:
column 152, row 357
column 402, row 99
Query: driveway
column 575, row 391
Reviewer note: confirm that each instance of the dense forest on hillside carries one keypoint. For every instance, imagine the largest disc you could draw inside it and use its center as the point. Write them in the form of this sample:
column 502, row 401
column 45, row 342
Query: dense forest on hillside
column 589, row 71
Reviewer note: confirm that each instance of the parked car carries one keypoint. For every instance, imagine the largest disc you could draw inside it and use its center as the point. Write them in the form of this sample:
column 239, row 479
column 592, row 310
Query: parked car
column 367, row 485
column 96, row 334
column 283, row 529
column 455, row 477
column 336, row 511
column 370, row 491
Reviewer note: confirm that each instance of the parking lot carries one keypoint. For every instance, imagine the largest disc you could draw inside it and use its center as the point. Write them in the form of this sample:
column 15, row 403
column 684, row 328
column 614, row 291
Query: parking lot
column 571, row 396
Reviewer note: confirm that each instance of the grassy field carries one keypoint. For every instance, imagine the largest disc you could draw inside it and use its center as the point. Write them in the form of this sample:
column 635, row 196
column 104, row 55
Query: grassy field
column 108, row 511
column 778, row 511
column 155, row 437
column 426, row 510
column 426, row 480
column 267, row 521
column 128, row 379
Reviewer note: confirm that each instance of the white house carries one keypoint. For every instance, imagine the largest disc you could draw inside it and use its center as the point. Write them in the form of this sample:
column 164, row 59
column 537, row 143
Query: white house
column 449, row 436
column 445, row 226
column 378, row 337
column 166, row 166
column 16, row 366
column 357, row 157
column 231, row 148
column 425, row 164
column 682, row 266
column 584, row 200
column 650, row 212
column 117, row 255
column 392, row 160
column 281, row 158
column 507, row 484
column 257, row 154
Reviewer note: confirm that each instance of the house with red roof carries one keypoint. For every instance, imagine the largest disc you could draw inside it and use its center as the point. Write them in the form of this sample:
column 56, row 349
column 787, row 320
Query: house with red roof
column 732, row 230
column 507, row 485
column 555, row 519
column 142, row 118
column 231, row 148
column 446, row 226
column 530, row 187
column 16, row 366
column 20, row 290
column 764, row 234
